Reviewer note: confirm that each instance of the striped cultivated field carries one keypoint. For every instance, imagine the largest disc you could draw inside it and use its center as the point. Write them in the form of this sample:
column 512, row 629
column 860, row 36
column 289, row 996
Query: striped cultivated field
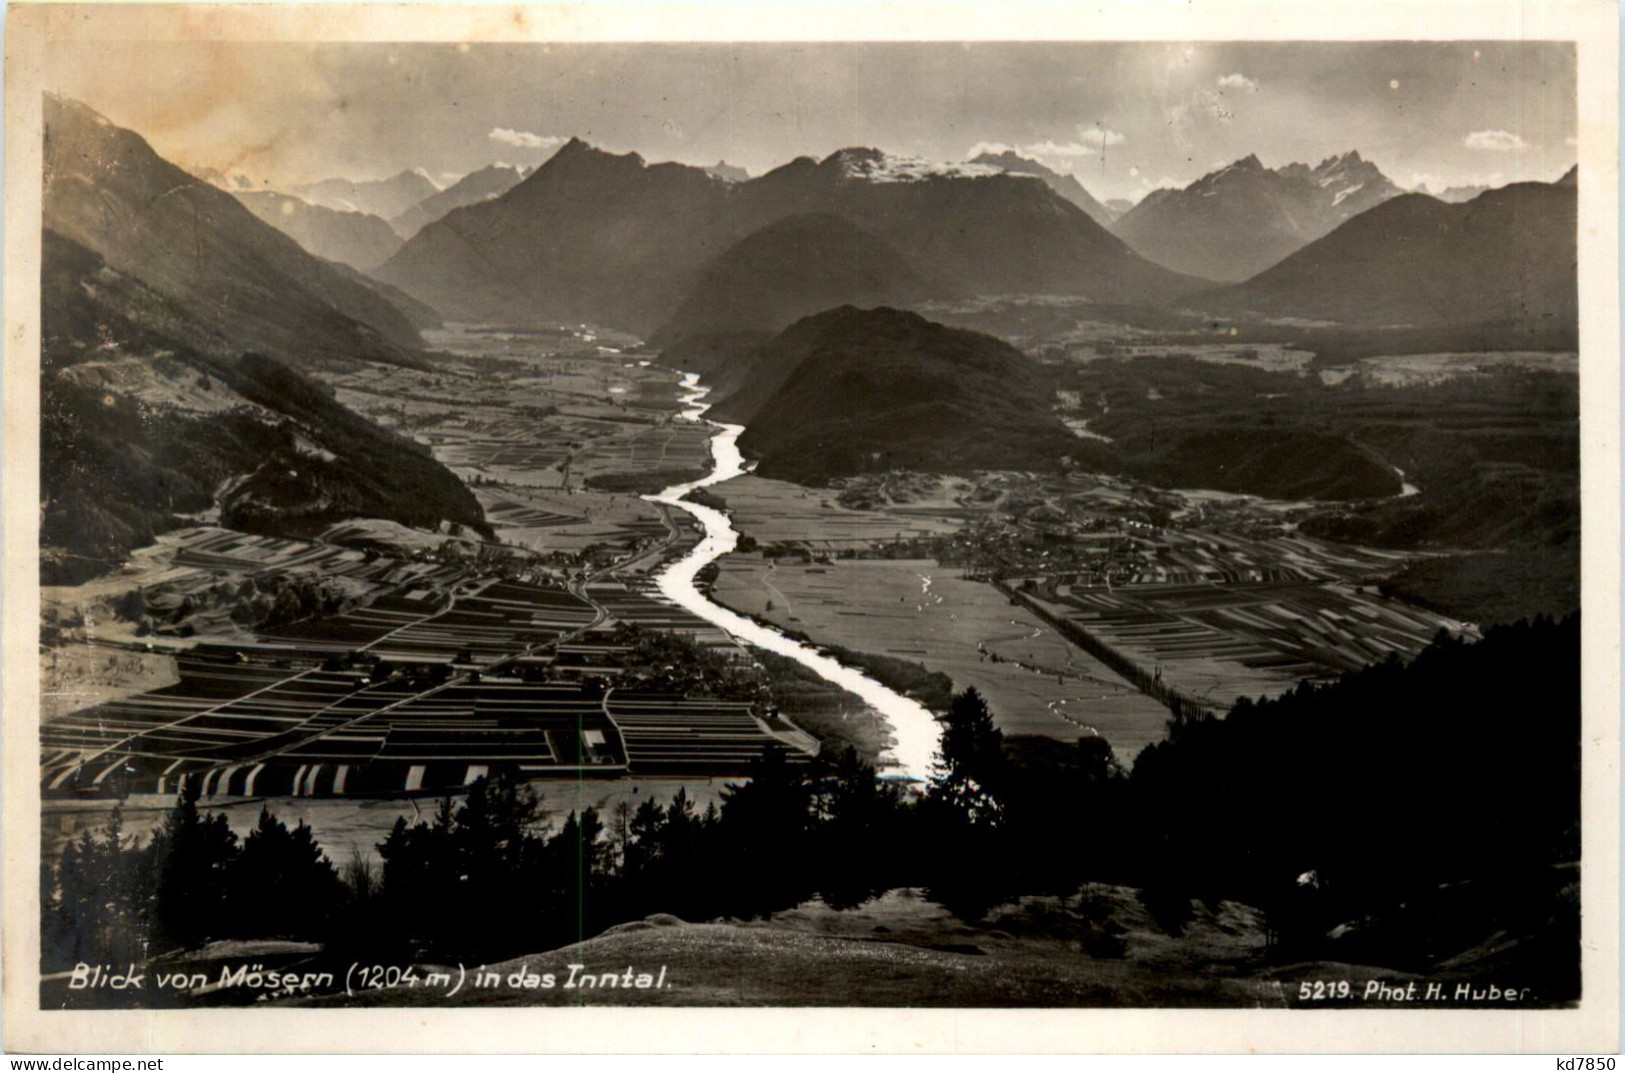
column 1219, row 640
column 420, row 690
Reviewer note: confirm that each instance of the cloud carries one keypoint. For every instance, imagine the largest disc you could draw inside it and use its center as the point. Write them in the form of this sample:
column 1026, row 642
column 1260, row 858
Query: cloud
column 1059, row 149
column 1430, row 183
column 1099, row 136
column 1167, row 182
column 524, row 139
column 1494, row 141
column 1238, row 81
column 1164, row 183
column 1088, row 142
column 1196, row 109
column 991, row 148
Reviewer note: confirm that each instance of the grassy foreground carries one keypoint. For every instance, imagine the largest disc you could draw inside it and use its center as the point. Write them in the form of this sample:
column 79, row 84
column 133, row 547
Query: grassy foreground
column 903, row 950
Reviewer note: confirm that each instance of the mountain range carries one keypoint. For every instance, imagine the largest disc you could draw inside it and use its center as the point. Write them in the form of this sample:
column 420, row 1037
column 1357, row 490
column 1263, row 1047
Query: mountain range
column 1507, row 256
column 178, row 324
column 1065, row 185
column 594, row 236
column 384, row 198
column 724, row 170
column 1233, row 223
column 358, row 239
column 1458, row 194
column 488, row 182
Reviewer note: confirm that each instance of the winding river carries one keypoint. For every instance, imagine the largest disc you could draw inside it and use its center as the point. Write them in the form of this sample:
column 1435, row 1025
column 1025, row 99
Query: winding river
column 915, row 730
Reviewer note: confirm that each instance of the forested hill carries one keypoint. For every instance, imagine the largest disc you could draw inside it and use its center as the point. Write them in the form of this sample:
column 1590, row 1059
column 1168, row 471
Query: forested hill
column 882, row 388
column 1382, row 781
column 146, row 417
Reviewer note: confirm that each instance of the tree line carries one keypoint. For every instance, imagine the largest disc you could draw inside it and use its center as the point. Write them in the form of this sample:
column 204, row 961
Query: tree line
column 110, row 898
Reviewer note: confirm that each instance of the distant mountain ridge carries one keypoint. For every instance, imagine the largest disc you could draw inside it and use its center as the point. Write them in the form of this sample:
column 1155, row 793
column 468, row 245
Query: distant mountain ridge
column 1457, row 194
column 590, row 236
column 724, row 170
column 385, row 198
column 1237, row 221
column 594, row 236
column 488, row 182
column 1507, row 256
column 358, row 239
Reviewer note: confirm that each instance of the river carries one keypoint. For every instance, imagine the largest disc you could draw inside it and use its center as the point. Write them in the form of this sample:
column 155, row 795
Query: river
column 915, row 730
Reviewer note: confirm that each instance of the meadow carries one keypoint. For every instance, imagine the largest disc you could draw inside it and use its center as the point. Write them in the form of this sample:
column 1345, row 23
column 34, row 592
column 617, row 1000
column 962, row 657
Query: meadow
column 778, row 512
column 1034, row 680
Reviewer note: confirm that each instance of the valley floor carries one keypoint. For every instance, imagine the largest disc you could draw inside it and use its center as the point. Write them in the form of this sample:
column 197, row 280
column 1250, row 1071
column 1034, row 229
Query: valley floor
column 1035, row 681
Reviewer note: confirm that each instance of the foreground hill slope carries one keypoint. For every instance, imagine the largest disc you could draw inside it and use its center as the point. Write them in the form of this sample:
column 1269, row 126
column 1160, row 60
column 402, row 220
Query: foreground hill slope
column 148, row 416
column 1508, row 255
column 904, row 950
column 1239, row 220
column 1100, row 946
column 593, row 236
column 200, row 247
column 881, row 389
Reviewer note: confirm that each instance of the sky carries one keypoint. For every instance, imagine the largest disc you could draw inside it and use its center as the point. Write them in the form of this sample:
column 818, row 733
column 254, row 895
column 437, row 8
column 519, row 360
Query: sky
column 1124, row 118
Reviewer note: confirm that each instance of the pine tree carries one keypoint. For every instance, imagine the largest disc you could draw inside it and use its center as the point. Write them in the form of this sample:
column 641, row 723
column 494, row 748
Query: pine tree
column 282, row 883
column 862, row 847
column 970, row 760
column 190, row 858
column 765, row 833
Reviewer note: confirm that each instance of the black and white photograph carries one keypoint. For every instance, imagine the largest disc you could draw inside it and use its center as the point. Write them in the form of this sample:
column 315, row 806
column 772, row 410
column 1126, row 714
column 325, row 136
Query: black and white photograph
column 1070, row 525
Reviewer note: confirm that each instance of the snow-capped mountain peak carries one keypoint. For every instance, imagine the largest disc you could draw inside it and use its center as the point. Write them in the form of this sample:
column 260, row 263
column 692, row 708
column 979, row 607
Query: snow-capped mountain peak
column 1346, row 192
column 875, row 166
column 1244, row 217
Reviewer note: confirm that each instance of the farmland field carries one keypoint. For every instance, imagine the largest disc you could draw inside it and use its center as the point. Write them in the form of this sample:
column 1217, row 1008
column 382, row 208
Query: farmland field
column 918, row 611
column 547, row 520
column 532, row 412
column 379, row 659
column 1406, row 370
column 1221, row 641
column 74, row 676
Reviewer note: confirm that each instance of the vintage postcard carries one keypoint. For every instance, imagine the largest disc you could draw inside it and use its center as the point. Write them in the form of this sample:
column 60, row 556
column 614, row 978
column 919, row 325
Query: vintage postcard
column 811, row 527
